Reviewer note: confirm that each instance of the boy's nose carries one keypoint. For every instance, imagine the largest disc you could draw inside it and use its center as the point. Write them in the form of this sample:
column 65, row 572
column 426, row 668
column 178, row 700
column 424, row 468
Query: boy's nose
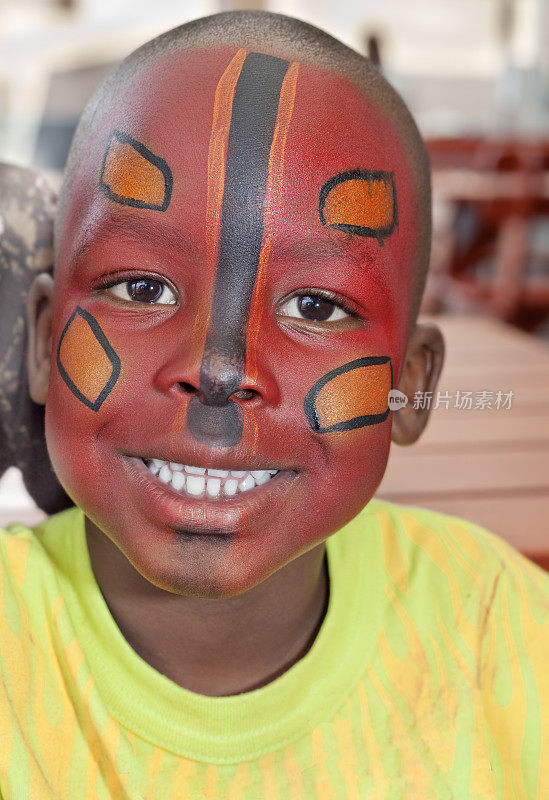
column 213, row 415
column 220, row 378
column 218, row 394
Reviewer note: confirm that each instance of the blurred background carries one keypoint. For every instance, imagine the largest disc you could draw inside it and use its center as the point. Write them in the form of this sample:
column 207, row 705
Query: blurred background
column 475, row 74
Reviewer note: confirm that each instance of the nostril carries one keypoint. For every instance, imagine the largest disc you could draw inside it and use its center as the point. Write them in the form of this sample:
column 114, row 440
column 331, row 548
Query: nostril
column 188, row 388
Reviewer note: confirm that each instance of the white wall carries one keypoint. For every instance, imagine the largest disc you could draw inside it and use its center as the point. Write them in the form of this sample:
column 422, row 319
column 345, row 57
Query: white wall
column 15, row 502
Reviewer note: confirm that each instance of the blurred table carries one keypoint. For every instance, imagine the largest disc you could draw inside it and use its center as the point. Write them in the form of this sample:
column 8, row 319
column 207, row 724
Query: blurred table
column 483, row 464
column 491, row 200
column 473, row 185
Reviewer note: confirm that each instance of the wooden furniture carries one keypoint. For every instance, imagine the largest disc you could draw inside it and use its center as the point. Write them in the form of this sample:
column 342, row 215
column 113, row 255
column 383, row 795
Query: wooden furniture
column 483, row 464
column 493, row 194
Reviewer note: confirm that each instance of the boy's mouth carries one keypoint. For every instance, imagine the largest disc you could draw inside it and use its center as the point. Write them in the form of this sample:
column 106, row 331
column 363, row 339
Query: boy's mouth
column 204, row 482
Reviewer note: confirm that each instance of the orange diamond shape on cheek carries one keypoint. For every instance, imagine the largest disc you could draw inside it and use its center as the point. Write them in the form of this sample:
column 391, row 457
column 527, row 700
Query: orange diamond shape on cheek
column 352, row 396
column 86, row 360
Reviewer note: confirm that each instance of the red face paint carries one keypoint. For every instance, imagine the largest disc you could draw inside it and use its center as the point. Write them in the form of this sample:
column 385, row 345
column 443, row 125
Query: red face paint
column 236, row 204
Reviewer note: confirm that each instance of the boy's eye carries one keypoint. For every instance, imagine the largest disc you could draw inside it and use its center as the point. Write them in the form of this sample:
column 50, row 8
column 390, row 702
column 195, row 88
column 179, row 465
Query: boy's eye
column 143, row 290
column 313, row 308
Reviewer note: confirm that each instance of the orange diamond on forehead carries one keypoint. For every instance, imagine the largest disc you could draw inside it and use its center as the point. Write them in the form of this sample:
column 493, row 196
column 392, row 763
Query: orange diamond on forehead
column 360, row 202
column 134, row 176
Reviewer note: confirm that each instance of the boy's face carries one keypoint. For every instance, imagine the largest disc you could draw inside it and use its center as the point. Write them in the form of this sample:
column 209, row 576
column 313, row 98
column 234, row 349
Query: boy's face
column 232, row 293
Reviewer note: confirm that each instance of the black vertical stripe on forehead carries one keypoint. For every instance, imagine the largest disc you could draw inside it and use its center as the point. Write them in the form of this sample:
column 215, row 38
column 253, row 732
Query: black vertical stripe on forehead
column 251, row 132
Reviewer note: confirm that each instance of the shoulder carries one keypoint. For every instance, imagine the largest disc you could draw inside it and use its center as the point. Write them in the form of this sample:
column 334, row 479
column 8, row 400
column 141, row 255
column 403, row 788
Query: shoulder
column 469, row 573
column 31, row 556
column 462, row 570
column 445, row 541
column 17, row 543
column 35, row 567
column 467, row 595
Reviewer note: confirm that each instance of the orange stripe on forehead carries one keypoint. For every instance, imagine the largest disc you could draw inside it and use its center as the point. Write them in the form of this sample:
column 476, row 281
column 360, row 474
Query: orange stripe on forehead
column 223, row 101
column 272, row 209
column 214, row 414
column 360, row 202
column 134, row 176
column 351, row 396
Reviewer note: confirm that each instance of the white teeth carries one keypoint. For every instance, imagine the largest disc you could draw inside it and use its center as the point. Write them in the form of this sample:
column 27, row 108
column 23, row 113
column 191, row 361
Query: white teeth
column 259, row 474
column 195, row 485
column 195, row 470
column 213, row 483
column 231, row 487
column 178, row 481
column 213, row 487
column 247, row 483
column 165, row 474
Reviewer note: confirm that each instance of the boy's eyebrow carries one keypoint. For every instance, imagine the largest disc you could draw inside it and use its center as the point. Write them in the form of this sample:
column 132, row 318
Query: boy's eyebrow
column 133, row 226
column 353, row 250
column 301, row 250
column 307, row 249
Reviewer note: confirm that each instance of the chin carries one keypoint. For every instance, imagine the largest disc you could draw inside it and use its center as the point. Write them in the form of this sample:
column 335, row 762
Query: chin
column 213, row 565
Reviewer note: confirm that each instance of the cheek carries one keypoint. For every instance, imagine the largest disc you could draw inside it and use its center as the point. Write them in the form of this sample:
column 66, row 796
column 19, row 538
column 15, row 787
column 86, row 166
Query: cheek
column 86, row 360
column 85, row 370
column 352, row 396
column 87, row 395
column 348, row 411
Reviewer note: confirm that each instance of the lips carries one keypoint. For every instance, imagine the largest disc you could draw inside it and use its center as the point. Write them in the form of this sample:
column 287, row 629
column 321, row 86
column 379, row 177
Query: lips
column 204, row 482
column 243, row 514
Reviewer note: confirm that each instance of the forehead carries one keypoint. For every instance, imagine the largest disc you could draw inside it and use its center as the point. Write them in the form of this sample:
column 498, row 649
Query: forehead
column 177, row 113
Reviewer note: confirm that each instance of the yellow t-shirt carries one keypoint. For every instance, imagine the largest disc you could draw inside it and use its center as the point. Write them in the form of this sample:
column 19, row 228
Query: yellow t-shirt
column 429, row 678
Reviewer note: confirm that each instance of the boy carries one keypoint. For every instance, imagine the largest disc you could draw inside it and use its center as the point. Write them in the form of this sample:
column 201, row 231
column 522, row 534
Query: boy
column 241, row 245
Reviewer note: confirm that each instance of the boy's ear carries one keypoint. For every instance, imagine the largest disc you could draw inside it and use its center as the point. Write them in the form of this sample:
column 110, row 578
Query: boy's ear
column 422, row 368
column 39, row 308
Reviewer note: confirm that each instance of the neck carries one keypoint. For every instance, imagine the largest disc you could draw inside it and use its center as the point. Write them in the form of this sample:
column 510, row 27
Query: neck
column 215, row 647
